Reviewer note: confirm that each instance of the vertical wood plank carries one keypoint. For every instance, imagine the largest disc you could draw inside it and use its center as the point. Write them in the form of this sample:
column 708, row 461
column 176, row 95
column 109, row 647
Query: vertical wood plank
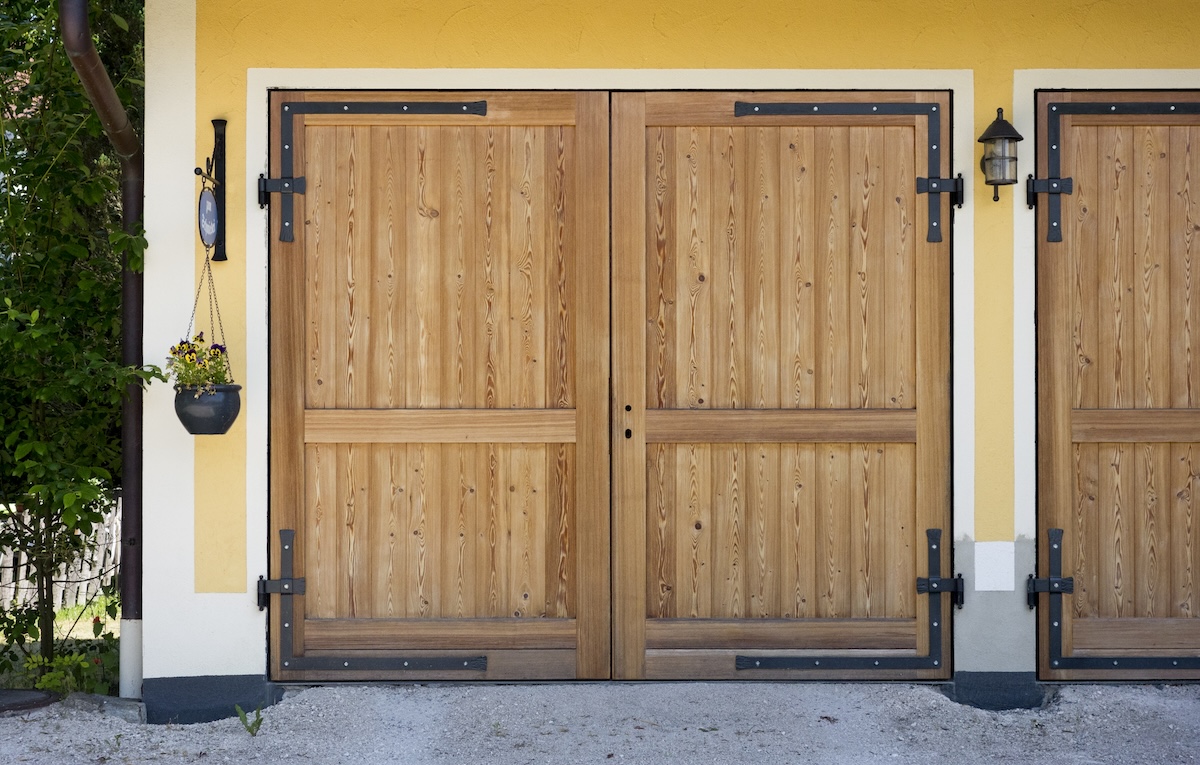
column 901, row 554
column 832, row 273
column 693, row 297
column 1151, row 242
column 764, row 532
column 661, row 532
column 321, row 532
column 1115, row 563
column 1085, row 317
column 322, row 255
column 629, row 270
column 764, row 267
column 386, row 296
column 798, row 582
column 833, row 531
column 726, row 537
column 694, row 489
column 1081, row 557
column 594, row 496
column 1184, row 527
column 898, row 272
column 1153, row 534
column 661, row 268
column 719, row 331
column 1116, row 270
column 797, row 210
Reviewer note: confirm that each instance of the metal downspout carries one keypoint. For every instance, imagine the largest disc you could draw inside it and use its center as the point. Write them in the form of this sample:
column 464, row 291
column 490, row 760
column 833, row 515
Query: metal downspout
column 77, row 39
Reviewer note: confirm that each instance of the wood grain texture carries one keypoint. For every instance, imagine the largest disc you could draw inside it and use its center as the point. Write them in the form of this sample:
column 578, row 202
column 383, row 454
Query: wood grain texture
column 781, row 425
column 1118, row 310
column 787, row 316
column 447, row 442
column 436, row 426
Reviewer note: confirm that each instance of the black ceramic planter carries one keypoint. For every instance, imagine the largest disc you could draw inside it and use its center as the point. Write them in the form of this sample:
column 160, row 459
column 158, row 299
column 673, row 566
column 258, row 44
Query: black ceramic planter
column 210, row 413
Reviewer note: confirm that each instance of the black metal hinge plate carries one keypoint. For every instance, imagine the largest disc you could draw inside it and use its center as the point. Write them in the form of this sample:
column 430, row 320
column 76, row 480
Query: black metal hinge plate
column 1054, row 115
column 1056, row 617
column 1056, row 584
column 868, row 662
column 287, row 587
column 287, row 151
column 819, row 109
column 268, row 587
column 955, row 586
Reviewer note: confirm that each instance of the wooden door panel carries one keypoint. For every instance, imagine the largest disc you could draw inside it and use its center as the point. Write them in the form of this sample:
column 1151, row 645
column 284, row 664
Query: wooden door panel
column 773, row 466
column 439, row 427
column 1118, row 316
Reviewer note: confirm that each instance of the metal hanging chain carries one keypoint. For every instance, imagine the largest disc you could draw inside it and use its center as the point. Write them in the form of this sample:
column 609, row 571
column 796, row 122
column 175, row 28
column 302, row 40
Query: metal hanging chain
column 214, row 310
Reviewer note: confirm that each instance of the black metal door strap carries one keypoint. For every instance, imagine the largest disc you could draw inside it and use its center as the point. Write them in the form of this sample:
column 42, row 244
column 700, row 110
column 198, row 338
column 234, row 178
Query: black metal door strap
column 933, row 185
column 1054, row 186
column 287, row 185
column 934, row 586
column 1055, row 595
column 287, row 587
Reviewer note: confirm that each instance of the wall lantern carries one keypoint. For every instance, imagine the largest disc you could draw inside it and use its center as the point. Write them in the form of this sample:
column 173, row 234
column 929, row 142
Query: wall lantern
column 999, row 163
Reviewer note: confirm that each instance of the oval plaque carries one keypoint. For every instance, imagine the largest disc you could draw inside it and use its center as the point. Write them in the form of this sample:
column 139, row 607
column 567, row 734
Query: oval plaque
column 208, row 218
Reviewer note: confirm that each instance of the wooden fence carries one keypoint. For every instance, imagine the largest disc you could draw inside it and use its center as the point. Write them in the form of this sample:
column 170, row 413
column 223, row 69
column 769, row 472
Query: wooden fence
column 75, row 585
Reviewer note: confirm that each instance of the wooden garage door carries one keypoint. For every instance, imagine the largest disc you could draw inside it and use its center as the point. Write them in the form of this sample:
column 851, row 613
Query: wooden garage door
column 781, row 384
column 439, row 410
column 1119, row 384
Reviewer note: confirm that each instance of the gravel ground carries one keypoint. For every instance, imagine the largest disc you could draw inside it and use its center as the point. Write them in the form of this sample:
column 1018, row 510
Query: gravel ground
column 637, row 723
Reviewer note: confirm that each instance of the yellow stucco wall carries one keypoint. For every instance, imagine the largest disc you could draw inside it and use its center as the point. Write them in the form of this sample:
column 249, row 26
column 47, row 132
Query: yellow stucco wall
column 991, row 38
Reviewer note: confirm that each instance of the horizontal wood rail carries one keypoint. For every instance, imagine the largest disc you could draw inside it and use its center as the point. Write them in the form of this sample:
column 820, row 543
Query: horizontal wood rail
column 1117, row 636
column 1135, row 425
column 781, row 426
column 433, row 634
column 798, row 634
column 439, row 426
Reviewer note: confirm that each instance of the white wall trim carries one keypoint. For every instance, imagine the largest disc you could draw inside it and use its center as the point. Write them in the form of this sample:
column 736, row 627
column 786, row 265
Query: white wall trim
column 1025, row 83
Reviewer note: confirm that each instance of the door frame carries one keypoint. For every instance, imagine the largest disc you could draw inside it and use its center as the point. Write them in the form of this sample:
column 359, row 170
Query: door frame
column 1026, row 83
column 261, row 81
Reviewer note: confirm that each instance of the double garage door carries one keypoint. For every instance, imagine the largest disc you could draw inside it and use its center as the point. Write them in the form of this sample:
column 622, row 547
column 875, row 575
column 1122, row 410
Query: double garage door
column 633, row 385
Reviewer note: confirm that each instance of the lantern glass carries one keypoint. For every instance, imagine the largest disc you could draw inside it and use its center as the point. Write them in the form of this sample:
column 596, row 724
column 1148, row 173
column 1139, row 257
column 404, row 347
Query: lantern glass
column 999, row 162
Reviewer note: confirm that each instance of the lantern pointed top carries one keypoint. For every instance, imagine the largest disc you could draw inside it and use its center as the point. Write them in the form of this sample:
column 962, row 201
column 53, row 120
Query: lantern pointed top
column 1000, row 128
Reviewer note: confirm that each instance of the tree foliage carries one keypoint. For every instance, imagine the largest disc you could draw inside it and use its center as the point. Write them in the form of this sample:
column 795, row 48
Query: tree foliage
column 61, row 254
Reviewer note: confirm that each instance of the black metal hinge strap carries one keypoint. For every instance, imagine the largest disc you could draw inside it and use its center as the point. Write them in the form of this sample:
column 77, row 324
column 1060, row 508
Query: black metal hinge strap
column 289, row 110
column 1052, row 187
column 268, row 587
column 956, row 587
column 867, row 662
column 1091, row 661
column 952, row 186
column 1054, row 114
column 287, row 586
column 1054, row 584
column 934, row 149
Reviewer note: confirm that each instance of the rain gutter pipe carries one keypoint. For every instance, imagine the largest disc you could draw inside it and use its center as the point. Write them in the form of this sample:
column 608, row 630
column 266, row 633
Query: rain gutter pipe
column 77, row 39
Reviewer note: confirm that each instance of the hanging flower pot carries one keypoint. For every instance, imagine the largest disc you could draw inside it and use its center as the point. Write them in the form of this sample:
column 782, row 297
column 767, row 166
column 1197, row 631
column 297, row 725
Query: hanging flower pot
column 206, row 399
column 208, row 411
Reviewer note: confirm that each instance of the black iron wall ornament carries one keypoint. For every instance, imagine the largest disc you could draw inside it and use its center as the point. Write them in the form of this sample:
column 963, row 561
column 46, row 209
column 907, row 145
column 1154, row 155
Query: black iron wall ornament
column 211, row 212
